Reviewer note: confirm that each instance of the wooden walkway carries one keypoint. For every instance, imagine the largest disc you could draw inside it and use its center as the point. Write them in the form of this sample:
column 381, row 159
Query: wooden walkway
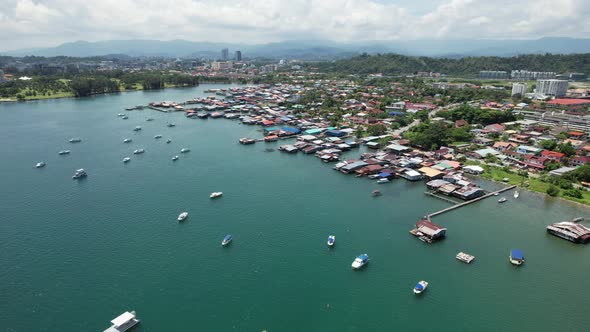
column 468, row 202
column 446, row 199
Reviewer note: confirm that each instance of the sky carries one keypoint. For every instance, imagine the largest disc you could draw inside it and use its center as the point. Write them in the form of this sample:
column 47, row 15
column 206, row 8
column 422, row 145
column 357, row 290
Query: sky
column 45, row 23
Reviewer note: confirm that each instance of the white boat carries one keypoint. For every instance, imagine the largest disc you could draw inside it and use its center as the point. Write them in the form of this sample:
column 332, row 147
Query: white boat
column 138, row 128
column 175, row 158
column 420, row 287
column 516, row 257
column 383, row 180
column 127, row 140
column 171, row 125
column 149, row 119
column 216, row 194
column 184, row 150
column 373, row 176
column 502, row 200
column 360, row 261
column 75, row 140
column 120, row 114
column 496, row 193
column 124, row 322
column 80, row 173
column 125, row 117
column 226, row 240
column 465, row 257
column 63, row 152
column 168, row 141
column 139, row 151
column 126, row 160
column 182, row 216
column 516, row 194
column 40, row 164
column 331, row 240
column 158, row 136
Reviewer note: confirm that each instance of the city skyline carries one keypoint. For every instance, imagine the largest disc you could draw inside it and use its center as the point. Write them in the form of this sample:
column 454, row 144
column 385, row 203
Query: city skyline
column 27, row 23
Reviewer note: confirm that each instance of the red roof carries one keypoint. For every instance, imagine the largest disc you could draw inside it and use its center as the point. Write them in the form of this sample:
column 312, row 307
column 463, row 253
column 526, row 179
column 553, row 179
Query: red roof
column 553, row 154
column 564, row 101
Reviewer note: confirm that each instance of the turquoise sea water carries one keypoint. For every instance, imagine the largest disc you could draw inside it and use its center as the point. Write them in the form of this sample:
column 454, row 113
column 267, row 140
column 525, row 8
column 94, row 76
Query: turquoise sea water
column 76, row 254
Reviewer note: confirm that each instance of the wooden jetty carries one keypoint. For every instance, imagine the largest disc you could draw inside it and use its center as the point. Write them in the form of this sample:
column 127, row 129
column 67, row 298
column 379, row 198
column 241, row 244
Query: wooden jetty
column 468, row 202
column 446, row 199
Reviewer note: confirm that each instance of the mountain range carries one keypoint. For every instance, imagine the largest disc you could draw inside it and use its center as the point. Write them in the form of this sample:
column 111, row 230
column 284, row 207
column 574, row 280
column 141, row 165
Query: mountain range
column 314, row 49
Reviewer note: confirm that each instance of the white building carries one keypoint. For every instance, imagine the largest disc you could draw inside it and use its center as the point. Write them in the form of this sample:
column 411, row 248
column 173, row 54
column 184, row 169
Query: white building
column 519, row 89
column 556, row 88
column 221, row 65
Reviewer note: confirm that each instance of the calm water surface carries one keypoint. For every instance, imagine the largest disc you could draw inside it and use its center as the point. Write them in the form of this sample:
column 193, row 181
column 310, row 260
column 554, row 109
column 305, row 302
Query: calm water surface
column 75, row 254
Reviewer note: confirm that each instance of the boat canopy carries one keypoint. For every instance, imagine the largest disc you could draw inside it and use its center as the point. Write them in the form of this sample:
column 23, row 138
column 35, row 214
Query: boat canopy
column 364, row 257
column 517, row 254
column 419, row 286
column 384, row 174
column 123, row 319
column 227, row 237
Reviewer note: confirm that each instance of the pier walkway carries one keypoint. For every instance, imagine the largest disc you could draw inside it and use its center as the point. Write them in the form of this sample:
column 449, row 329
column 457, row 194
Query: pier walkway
column 428, row 216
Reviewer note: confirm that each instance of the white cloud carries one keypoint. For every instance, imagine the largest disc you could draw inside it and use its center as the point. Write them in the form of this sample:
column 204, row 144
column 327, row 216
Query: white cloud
column 32, row 23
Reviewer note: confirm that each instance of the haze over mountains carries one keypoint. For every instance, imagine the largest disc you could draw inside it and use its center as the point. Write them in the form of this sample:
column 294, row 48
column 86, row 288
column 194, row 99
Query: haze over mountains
column 314, row 49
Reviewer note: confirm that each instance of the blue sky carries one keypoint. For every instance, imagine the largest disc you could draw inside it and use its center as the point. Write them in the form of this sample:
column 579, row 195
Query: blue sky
column 42, row 23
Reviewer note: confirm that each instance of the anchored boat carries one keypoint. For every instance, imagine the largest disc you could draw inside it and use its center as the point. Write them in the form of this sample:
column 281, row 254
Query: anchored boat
column 516, row 257
column 360, row 261
column 182, row 216
column 216, row 194
column 331, row 240
column 124, row 322
column 226, row 240
column 420, row 287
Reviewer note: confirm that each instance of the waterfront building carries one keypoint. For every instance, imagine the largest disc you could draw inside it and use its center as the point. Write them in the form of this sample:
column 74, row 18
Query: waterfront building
column 519, row 89
column 238, row 56
column 493, row 74
column 526, row 75
column 556, row 88
column 225, row 54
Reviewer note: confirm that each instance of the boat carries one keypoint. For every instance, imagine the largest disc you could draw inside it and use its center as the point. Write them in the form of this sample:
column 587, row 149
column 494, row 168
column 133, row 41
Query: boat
column 383, row 180
column 40, row 164
column 139, row 151
column 571, row 231
column 360, row 261
column 168, row 141
column 120, row 114
column 373, row 176
column 516, row 194
column 226, row 240
column 80, row 173
column 375, row 193
column 578, row 219
column 158, row 136
column 125, row 117
column 502, row 200
column 126, row 160
column 184, row 150
column 137, row 128
column 216, row 194
column 75, row 140
column 149, row 119
column 182, row 216
column 127, row 140
column 175, row 158
column 171, row 125
column 465, row 257
column 516, row 257
column 420, row 287
column 331, row 240
column 124, row 322
column 496, row 193
column 63, row 152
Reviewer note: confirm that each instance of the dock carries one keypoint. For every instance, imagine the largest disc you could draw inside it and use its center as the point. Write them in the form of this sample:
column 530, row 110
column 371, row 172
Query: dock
column 493, row 193
column 446, row 199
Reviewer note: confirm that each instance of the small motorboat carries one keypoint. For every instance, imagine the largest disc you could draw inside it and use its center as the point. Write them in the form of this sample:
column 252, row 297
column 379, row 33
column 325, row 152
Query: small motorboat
column 375, row 193
column 383, row 180
column 149, row 119
column 502, row 200
column 125, row 117
column 63, row 152
column 139, row 151
column 80, row 173
column 184, row 150
column 75, row 140
column 138, row 128
column 373, row 176
column 360, row 261
column 331, row 240
column 40, row 164
column 516, row 257
column 175, row 158
column 158, row 136
column 226, row 240
column 127, row 140
column 496, row 193
column 171, row 125
column 126, row 160
column 216, row 194
column 168, row 141
column 420, row 287
column 120, row 114
column 516, row 194
column 182, row 216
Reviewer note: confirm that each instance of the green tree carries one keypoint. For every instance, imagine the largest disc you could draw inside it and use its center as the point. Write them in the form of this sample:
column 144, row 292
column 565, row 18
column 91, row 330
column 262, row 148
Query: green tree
column 548, row 144
column 552, row 191
column 376, row 129
column 567, row 149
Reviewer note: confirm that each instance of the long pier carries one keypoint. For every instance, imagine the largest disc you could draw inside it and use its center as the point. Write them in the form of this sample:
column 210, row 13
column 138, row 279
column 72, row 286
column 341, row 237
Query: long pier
column 448, row 200
column 468, row 202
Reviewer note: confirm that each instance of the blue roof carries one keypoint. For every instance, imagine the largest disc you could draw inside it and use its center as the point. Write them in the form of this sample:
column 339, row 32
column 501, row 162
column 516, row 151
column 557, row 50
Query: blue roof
column 227, row 237
column 419, row 286
column 384, row 174
column 517, row 254
column 396, row 113
column 364, row 257
column 291, row 129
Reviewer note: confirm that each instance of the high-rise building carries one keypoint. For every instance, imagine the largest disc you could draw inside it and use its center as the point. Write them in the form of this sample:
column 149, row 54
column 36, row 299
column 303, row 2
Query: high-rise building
column 519, row 89
column 225, row 54
column 238, row 55
column 2, row 79
column 557, row 88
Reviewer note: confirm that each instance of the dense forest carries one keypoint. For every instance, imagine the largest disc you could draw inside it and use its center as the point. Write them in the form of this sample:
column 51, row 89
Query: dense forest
column 393, row 64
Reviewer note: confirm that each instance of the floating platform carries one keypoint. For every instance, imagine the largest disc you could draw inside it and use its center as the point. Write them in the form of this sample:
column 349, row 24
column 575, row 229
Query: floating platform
column 465, row 257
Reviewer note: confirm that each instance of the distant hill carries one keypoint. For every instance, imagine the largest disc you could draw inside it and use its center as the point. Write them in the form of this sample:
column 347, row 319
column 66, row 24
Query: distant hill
column 315, row 49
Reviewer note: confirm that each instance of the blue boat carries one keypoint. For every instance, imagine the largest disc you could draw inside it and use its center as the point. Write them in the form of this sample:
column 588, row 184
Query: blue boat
column 420, row 287
column 331, row 240
column 226, row 240
column 516, row 257
column 360, row 261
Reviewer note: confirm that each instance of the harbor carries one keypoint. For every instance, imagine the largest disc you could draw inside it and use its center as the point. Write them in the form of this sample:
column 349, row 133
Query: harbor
column 279, row 207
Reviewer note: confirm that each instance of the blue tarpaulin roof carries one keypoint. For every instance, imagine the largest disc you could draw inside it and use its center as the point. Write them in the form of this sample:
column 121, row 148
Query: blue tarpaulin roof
column 396, row 113
column 291, row 129
column 419, row 286
column 384, row 174
column 517, row 254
